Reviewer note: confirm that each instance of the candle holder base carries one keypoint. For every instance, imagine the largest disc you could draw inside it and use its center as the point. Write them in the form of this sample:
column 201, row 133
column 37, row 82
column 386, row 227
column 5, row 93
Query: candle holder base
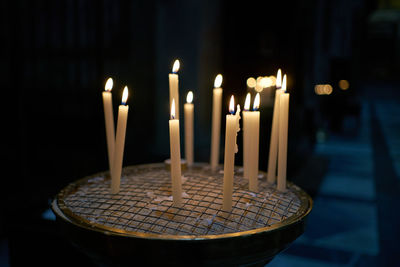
column 140, row 224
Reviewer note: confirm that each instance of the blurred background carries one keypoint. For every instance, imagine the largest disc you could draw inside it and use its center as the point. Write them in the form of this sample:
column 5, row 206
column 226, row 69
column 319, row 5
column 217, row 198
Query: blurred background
column 342, row 58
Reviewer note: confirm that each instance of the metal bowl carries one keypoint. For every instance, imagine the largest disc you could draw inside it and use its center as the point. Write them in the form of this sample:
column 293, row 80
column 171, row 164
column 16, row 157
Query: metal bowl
column 116, row 244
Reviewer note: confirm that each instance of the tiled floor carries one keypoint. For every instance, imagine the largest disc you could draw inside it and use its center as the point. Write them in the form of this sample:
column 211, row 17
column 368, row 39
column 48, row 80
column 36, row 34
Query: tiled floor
column 348, row 225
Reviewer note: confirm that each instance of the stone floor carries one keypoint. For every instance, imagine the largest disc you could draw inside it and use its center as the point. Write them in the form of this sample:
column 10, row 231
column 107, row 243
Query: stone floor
column 355, row 217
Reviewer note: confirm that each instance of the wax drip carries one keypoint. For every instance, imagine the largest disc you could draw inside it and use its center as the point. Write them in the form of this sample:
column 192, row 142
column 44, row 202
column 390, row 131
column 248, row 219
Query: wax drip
column 237, row 126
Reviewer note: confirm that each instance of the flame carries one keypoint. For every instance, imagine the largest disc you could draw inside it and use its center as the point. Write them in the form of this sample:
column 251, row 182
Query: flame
column 189, row 97
column 232, row 105
column 176, row 66
column 109, row 85
column 247, row 102
column 218, row 81
column 279, row 79
column 284, row 83
column 256, row 103
column 173, row 109
column 125, row 95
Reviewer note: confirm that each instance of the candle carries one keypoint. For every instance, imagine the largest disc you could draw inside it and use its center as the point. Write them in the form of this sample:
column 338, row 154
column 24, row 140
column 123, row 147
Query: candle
column 119, row 143
column 174, row 87
column 246, row 136
column 232, row 128
column 109, row 121
column 188, row 110
column 175, row 154
column 283, row 136
column 251, row 135
column 216, row 122
column 273, row 146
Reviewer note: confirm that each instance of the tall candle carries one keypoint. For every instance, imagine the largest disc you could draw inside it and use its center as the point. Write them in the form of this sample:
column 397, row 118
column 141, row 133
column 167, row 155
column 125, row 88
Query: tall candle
column 188, row 111
column 216, row 122
column 109, row 121
column 273, row 146
column 119, row 143
column 251, row 135
column 174, row 87
column 283, row 137
column 175, row 154
column 232, row 128
column 246, row 136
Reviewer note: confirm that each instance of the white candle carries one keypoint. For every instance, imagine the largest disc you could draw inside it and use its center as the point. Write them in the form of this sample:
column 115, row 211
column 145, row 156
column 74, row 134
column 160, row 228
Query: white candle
column 119, row 143
column 175, row 155
column 188, row 111
column 109, row 121
column 273, row 146
column 232, row 128
column 174, row 87
column 216, row 122
column 251, row 135
column 246, row 136
column 283, row 137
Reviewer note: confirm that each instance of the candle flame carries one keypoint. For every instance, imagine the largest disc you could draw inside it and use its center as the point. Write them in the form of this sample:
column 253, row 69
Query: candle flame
column 247, row 102
column 189, row 97
column 279, row 79
column 256, row 103
column 125, row 95
column 173, row 109
column 218, row 81
column 109, row 85
column 176, row 66
column 232, row 105
column 284, row 83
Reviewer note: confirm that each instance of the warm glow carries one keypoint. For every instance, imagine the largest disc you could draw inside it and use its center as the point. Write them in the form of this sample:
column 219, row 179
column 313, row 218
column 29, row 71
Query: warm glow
column 273, row 80
column 218, row 81
column 256, row 103
column 344, row 84
column 283, row 83
column 189, row 97
column 125, row 95
column 109, row 84
column 232, row 105
column 247, row 102
column 323, row 89
column 279, row 79
column 267, row 82
column 251, row 82
column 173, row 109
column 176, row 66
column 328, row 89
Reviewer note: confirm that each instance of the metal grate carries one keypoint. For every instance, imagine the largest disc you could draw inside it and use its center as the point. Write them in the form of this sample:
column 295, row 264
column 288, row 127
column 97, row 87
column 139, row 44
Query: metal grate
column 144, row 203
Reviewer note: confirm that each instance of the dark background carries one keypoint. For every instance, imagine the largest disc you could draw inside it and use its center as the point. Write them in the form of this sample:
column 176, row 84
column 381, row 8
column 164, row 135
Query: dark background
column 55, row 57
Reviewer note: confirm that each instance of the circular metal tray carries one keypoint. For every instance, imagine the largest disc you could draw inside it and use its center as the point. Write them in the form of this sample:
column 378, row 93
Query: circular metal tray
column 140, row 224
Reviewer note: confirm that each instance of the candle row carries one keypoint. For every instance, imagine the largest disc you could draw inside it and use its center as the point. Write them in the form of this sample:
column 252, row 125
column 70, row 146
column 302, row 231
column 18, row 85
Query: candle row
column 251, row 128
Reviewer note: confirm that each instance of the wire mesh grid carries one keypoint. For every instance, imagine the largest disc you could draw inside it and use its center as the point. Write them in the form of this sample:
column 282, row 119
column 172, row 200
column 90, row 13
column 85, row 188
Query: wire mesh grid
column 144, row 203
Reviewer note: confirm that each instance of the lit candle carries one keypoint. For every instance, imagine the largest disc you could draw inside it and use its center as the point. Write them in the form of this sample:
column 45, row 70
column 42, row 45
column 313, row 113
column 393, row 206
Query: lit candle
column 174, row 87
column 188, row 110
column 232, row 128
column 246, row 136
column 175, row 154
column 251, row 135
column 109, row 121
column 273, row 145
column 119, row 143
column 216, row 122
column 283, row 136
